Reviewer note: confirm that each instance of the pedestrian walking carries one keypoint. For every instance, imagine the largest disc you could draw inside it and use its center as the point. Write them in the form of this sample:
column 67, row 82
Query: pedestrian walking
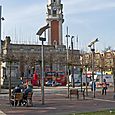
column 104, row 87
column 93, row 86
column 90, row 84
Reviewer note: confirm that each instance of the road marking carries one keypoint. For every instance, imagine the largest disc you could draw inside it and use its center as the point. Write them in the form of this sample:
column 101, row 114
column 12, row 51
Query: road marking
column 43, row 108
column 101, row 99
column 104, row 100
column 36, row 108
column 2, row 113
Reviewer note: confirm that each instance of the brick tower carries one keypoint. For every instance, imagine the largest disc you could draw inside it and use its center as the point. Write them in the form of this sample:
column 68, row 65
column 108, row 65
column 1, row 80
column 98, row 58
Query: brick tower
column 55, row 20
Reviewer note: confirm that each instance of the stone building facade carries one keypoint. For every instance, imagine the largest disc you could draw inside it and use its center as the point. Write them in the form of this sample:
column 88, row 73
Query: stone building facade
column 24, row 59
column 102, row 61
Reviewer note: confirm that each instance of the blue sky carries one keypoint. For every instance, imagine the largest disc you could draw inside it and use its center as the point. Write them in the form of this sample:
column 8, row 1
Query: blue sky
column 89, row 19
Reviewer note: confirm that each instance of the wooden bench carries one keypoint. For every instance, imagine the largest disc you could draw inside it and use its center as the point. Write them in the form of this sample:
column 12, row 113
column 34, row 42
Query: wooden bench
column 74, row 92
column 82, row 92
column 77, row 92
column 16, row 98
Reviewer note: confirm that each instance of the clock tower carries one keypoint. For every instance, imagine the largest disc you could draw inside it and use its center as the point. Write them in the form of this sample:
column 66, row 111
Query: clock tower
column 55, row 20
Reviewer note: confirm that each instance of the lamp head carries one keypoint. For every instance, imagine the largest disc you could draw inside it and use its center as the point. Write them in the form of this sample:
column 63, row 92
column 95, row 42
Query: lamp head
column 89, row 45
column 96, row 40
column 72, row 37
column 2, row 18
column 93, row 42
column 67, row 36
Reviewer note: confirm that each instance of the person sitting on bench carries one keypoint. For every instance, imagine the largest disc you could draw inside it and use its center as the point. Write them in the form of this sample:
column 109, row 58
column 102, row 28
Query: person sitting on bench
column 26, row 91
column 17, row 89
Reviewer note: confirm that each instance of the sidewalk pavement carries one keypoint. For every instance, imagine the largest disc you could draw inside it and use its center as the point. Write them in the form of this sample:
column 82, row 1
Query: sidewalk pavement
column 4, row 91
column 57, row 103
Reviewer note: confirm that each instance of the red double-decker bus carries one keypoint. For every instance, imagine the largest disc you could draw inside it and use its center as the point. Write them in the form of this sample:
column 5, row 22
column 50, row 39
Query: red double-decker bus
column 58, row 76
column 61, row 78
column 50, row 75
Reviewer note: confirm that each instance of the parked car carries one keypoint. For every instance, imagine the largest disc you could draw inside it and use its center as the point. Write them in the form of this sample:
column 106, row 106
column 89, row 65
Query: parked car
column 49, row 83
column 77, row 84
column 57, row 84
column 52, row 83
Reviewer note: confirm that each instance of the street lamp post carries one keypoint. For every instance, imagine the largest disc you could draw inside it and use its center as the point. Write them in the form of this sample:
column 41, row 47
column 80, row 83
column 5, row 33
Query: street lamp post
column 113, row 70
column 0, row 30
column 10, row 87
column 67, row 36
column 93, row 53
column 1, row 18
column 86, row 80
column 41, row 30
column 72, row 62
column 114, row 81
column 42, row 56
column 92, row 47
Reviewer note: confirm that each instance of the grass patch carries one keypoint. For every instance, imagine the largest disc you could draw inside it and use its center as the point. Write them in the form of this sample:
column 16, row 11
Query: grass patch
column 106, row 112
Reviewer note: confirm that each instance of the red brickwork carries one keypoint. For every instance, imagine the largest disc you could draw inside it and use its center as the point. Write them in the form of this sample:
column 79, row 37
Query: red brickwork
column 55, row 31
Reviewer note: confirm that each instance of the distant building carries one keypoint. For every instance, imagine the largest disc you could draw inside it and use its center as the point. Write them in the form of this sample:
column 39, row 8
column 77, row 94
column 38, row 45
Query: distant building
column 25, row 59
